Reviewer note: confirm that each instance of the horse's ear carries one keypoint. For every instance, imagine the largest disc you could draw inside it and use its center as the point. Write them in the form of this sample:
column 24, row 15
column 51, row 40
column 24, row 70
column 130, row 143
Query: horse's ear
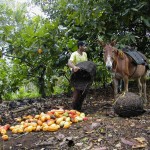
column 101, row 43
column 113, row 43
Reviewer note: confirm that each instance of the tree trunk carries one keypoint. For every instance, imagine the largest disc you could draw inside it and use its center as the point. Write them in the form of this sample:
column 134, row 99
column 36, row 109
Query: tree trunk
column 42, row 83
column 0, row 99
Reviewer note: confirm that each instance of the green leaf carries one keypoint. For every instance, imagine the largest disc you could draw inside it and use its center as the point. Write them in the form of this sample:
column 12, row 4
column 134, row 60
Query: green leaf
column 134, row 9
column 146, row 21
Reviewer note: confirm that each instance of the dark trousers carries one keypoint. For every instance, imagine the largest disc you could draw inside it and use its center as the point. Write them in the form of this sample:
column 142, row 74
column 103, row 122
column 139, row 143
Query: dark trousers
column 78, row 98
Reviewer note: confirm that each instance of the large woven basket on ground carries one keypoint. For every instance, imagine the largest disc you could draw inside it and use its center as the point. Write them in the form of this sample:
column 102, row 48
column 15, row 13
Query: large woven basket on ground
column 83, row 78
column 129, row 105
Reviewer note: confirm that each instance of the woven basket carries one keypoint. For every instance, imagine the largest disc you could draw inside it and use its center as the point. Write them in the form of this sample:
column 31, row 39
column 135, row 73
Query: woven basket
column 83, row 78
column 129, row 105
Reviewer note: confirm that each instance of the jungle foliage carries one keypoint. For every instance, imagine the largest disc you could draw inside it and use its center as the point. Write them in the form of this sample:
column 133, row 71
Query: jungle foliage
column 36, row 49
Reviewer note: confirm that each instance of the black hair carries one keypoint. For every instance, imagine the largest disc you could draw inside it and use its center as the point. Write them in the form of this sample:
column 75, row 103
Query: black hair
column 81, row 43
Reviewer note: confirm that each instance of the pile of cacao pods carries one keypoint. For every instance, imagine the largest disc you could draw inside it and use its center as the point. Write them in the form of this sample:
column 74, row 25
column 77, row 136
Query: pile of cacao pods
column 49, row 121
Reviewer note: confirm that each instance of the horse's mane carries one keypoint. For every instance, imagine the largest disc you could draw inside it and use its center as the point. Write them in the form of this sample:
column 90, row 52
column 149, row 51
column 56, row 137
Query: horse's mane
column 119, row 53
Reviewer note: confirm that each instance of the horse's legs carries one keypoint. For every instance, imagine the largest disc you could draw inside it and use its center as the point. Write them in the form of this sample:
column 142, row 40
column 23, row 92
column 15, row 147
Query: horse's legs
column 140, row 86
column 143, row 80
column 115, row 84
column 126, row 82
column 120, row 85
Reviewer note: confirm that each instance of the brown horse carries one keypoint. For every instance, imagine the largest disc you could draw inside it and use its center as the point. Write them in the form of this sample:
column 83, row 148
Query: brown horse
column 122, row 67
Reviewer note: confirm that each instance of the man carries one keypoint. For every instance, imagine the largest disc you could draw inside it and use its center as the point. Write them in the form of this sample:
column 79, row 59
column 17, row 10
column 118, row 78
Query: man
column 76, row 57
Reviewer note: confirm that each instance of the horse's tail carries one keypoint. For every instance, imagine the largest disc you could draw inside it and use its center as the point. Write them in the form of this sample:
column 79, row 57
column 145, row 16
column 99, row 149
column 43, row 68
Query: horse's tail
column 148, row 73
column 145, row 60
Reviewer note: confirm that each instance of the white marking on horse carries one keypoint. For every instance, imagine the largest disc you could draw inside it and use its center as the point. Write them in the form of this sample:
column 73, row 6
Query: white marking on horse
column 109, row 62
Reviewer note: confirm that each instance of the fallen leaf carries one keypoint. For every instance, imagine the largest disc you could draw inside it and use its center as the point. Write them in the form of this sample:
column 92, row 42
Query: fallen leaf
column 140, row 139
column 90, row 128
column 100, row 148
column 79, row 144
column 95, row 125
column 90, row 131
column 102, row 131
column 59, row 107
column 132, row 125
column 123, row 140
column 103, row 148
column 100, row 139
column 88, row 147
column 98, row 120
column 110, row 135
column 118, row 145
column 139, row 126
column 142, row 143
column 60, row 136
column 84, row 139
column 139, row 146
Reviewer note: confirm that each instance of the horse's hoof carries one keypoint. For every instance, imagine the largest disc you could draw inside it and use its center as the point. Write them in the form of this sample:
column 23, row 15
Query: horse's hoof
column 123, row 94
column 145, row 101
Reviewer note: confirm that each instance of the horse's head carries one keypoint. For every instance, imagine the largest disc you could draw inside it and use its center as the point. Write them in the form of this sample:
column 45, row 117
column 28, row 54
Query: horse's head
column 109, row 54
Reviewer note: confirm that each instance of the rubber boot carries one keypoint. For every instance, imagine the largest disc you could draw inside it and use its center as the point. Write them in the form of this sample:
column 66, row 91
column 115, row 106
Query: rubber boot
column 78, row 98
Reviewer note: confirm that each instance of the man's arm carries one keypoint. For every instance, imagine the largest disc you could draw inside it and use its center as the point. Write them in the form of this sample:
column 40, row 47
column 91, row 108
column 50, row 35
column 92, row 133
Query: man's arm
column 71, row 65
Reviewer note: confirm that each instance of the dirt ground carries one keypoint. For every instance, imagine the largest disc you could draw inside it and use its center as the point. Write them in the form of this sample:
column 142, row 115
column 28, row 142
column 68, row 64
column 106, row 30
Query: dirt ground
column 104, row 130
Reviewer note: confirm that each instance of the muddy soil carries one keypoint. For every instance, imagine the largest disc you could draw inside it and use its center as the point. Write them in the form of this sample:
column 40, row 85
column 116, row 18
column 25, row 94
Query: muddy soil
column 104, row 130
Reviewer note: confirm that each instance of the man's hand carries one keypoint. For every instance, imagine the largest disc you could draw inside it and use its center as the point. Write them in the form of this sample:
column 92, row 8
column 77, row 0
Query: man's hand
column 75, row 69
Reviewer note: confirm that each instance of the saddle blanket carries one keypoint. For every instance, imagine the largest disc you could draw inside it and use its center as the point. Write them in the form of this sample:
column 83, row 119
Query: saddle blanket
column 138, row 58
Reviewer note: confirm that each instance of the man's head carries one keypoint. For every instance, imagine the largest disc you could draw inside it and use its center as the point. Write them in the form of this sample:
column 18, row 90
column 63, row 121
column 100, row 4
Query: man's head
column 81, row 45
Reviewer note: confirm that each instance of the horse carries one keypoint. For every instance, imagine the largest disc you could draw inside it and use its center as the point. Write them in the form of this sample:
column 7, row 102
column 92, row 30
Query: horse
column 123, row 67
